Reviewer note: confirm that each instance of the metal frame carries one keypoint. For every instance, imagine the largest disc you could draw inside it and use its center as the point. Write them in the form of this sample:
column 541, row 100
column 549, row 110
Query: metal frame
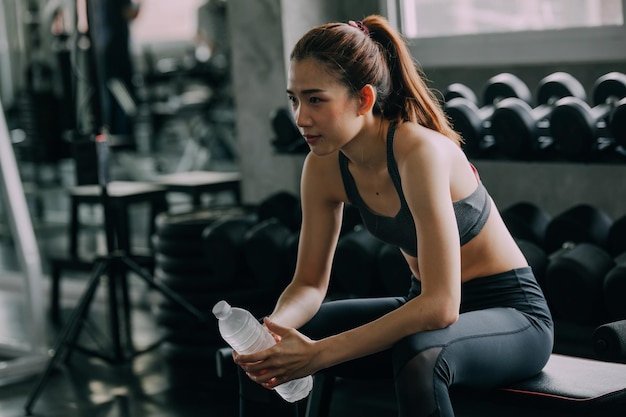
column 24, row 361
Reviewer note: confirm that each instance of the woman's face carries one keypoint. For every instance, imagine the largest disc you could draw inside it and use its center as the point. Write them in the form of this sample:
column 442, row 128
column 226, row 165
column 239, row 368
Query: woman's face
column 326, row 115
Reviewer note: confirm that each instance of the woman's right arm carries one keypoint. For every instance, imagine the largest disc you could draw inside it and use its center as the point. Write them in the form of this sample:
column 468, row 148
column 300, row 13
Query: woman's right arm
column 322, row 198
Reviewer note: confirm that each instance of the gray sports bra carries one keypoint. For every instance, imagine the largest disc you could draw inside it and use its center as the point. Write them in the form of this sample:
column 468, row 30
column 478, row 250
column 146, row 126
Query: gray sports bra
column 471, row 212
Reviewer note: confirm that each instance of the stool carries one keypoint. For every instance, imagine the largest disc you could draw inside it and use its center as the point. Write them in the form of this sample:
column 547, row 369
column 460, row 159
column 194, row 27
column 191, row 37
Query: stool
column 122, row 195
column 196, row 183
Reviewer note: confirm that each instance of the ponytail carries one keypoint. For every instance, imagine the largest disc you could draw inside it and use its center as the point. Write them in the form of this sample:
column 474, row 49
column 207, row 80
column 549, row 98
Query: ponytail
column 410, row 99
column 372, row 52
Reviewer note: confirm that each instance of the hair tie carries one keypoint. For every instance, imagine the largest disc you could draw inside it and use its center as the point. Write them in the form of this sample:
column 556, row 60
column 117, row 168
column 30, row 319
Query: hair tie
column 359, row 25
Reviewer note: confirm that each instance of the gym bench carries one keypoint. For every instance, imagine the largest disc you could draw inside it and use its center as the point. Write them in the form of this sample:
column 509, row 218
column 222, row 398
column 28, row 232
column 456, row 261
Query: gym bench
column 568, row 386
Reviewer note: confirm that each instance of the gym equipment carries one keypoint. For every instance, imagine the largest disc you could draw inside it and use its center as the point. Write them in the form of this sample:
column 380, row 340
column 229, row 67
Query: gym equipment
column 198, row 254
column 393, row 271
column 455, row 90
column 574, row 280
column 522, row 132
column 351, row 219
column 284, row 206
column 114, row 264
column 265, row 248
column 581, row 132
column 618, row 124
column 614, row 288
column 288, row 138
column 537, row 259
column 355, row 269
column 473, row 123
column 609, row 341
column 189, row 226
column 222, row 245
column 21, row 362
column 581, row 223
column 617, row 237
column 527, row 221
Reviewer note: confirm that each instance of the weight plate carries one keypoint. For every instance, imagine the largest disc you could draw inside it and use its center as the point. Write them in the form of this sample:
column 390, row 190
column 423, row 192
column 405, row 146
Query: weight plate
column 177, row 247
column 202, row 282
column 181, row 265
column 191, row 225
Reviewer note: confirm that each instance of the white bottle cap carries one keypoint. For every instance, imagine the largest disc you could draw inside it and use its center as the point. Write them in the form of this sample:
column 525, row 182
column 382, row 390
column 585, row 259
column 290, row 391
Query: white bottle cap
column 221, row 309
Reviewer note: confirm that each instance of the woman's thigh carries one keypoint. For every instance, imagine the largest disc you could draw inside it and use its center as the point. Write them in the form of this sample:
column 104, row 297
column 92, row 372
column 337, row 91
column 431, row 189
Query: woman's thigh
column 484, row 348
column 340, row 315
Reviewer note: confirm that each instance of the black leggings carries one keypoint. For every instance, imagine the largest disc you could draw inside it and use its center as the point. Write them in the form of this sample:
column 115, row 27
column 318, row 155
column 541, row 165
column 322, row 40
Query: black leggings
column 504, row 333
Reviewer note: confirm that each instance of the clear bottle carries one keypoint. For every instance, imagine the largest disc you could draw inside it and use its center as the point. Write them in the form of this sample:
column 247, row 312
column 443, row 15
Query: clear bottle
column 243, row 332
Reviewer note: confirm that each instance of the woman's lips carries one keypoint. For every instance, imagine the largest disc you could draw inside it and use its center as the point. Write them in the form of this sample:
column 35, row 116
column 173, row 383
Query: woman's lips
column 311, row 139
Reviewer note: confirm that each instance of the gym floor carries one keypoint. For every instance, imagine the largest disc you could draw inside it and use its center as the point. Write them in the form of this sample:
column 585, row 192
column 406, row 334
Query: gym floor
column 147, row 385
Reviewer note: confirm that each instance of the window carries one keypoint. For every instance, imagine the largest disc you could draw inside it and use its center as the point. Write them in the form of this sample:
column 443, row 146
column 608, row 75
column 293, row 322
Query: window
column 431, row 18
column 488, row 32
column 166, row 20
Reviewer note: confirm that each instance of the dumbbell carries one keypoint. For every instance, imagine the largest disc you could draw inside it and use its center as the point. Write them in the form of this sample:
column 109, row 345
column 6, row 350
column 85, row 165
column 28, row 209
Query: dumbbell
column 351, row 219
column 617, row 237
column 456, row 90
column 581, row 132
column 393, row 271
column 536, row 257
column 574, row 281
column 284, row 206
column 618, row 124
column 473, row 123
column 614, row 290
column 264, row 251
column 222, row 247
column 609, row 341
column 580, row 223
column 522, row 132
column 354, row 270
column 527, row 221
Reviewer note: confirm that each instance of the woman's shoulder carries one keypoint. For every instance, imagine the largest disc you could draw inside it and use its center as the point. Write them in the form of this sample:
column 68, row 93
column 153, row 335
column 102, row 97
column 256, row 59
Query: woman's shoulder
column 412, row 140
column 324, row 174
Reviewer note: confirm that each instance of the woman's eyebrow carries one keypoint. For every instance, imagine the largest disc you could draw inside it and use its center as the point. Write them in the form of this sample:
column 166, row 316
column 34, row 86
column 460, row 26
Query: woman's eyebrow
column 308, row 91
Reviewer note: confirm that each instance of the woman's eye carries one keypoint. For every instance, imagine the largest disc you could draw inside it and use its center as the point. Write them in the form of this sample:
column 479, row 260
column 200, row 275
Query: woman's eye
column 292, row 99
column 314, row 100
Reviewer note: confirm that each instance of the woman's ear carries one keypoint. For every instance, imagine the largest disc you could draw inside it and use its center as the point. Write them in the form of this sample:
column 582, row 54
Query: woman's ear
column 367, row 97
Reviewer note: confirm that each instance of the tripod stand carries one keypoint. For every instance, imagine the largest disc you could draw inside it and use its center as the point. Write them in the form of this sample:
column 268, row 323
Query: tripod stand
column 115, row 264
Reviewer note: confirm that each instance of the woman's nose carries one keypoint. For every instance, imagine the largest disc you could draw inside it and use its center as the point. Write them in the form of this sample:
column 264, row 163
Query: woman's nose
column 301, row 118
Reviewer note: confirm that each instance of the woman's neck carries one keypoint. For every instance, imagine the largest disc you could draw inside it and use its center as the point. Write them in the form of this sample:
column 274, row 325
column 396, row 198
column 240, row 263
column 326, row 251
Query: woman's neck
column 367, row 150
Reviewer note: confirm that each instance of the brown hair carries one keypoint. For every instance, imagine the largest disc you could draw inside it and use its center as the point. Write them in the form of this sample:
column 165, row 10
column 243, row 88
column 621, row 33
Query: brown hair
column 372, row 52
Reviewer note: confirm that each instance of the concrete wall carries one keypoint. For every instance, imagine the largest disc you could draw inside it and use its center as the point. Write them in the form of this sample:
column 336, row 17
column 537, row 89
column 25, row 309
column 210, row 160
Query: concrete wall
column 264, row 32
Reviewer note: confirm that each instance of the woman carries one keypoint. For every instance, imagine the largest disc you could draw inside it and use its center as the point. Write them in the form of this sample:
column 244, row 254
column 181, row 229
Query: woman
column 378, row 140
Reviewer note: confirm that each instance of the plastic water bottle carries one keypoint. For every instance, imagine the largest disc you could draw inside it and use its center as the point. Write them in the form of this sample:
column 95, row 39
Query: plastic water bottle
column 243, row 332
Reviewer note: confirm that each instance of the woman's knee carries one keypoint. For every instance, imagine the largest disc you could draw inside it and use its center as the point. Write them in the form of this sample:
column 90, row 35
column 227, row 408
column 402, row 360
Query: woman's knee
column 422, row 385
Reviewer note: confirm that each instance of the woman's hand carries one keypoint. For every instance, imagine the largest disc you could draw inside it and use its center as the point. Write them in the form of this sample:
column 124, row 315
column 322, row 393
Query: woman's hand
column 292, row 357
